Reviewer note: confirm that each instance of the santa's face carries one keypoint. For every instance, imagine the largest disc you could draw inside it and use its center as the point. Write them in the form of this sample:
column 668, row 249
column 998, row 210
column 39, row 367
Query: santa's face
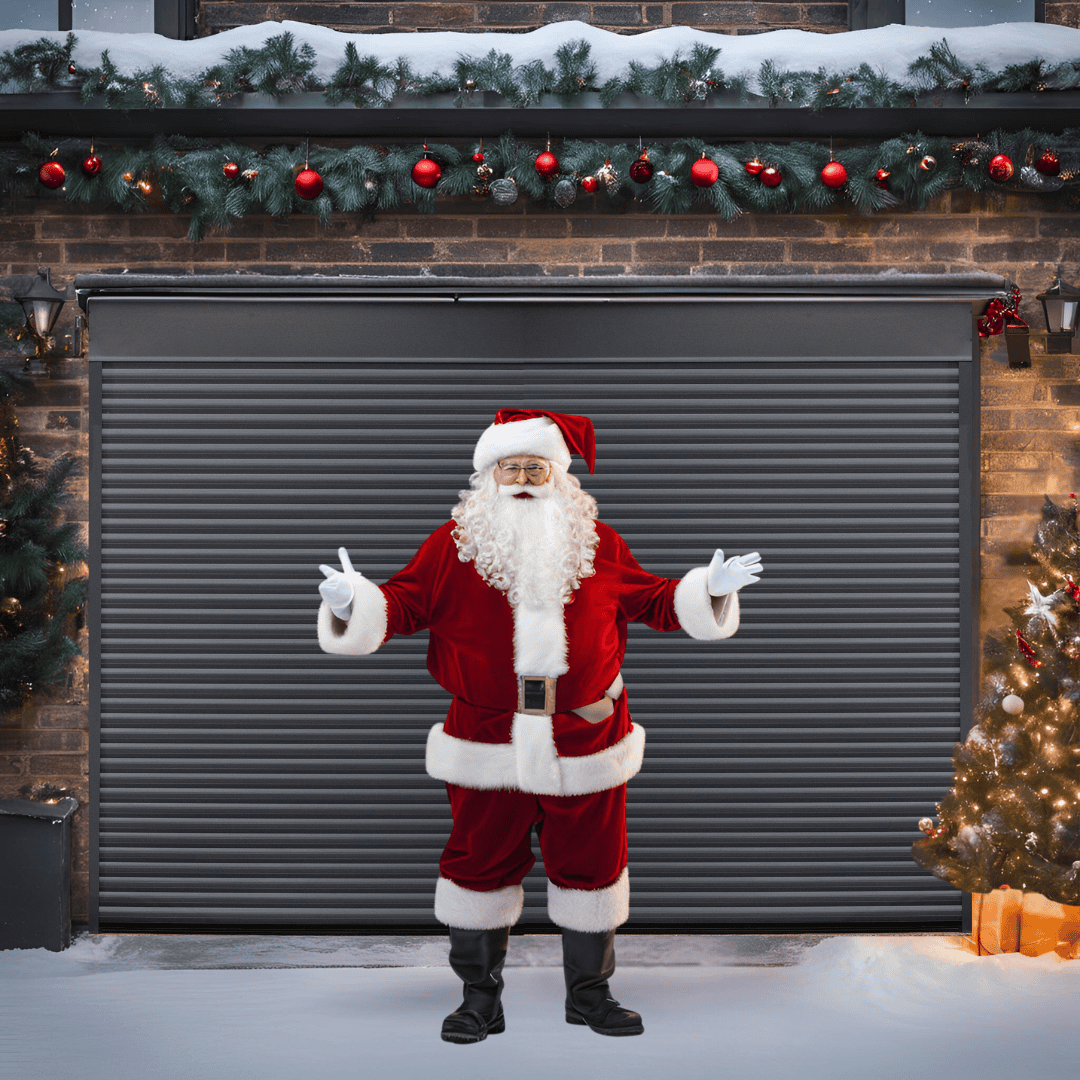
column 524, row 476
column 535, row 549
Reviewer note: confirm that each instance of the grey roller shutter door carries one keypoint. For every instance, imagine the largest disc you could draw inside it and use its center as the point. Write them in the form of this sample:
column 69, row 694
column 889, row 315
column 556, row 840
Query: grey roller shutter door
column 247, row 779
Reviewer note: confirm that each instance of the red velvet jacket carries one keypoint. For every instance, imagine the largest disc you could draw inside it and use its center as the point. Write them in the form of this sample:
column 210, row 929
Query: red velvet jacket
column 484, row 742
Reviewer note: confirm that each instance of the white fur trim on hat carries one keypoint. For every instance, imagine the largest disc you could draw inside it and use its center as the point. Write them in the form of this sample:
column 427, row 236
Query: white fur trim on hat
column 467, row 909
column 590, row 911
column 705, row 617
column 538, row 435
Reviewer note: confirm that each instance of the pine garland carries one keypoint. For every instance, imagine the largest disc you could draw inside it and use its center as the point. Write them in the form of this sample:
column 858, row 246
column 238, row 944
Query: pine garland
column 186, row 176
column 282, row 67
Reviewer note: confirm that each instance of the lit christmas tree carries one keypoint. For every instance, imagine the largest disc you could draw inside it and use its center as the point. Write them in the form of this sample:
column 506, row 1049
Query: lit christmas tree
column 40, row 598
column 1013, row 815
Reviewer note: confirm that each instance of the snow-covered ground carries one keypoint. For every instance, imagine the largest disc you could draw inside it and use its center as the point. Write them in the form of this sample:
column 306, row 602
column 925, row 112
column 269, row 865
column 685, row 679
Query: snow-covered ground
column 890, row 49
column 859, row 1007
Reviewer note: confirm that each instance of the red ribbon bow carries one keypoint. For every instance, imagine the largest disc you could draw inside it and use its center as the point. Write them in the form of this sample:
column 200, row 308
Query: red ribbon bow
column 999, row 314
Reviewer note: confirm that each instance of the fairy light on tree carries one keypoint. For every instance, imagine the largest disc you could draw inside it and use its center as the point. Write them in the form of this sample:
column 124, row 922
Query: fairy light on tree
column 41, row 602
column 1013, row 815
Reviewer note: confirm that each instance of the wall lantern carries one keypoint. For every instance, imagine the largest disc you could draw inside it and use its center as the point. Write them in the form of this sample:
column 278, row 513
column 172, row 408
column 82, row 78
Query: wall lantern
column 41, row 303
column 1060, row 303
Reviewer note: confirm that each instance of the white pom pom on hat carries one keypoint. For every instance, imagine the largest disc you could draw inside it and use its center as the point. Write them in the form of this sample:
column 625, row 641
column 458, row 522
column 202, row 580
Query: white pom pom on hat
column 545, row 434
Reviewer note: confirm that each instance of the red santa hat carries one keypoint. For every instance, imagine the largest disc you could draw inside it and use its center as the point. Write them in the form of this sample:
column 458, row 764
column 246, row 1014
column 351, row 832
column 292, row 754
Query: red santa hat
column 546, row 434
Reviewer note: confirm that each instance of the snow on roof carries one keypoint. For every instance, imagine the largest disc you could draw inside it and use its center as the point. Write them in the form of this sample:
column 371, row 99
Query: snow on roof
column 889, row 48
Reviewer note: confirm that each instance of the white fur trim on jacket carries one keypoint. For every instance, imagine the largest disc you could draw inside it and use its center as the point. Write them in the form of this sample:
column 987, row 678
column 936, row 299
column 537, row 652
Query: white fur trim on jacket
column 540, row 640
column 590, row 911
column 494, row 766
column 467, row 909
column 366, row 628
column 705, row 617
column 537, row 761
column 539, row 435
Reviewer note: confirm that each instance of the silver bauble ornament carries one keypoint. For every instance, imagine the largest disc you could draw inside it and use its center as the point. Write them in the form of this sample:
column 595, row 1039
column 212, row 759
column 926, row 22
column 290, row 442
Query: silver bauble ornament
column 608, row 176
column 565, row 193
column 504, row 192
column 1030, row 177
column 1012, row 704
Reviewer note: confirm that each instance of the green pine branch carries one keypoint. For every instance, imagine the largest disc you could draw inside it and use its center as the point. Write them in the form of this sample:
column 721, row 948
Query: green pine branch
column 37, row 66
column 280, row 67
column 186, row 176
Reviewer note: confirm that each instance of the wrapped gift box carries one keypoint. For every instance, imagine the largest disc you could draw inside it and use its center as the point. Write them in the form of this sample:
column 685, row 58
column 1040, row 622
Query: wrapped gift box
column 1014, row 920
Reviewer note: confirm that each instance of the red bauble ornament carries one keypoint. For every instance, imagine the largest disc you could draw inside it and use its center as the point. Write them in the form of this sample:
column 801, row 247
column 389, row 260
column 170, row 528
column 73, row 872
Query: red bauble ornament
column 1001, row 168
column 91, row 165
column 881, row 178
column 546, row 165
column 704, row 172
column 770, row 176
column 232, row 170
column 71, row 69
column 834, row 175
column 641, row 170
column 426, row 173
column 589, row 184
column 478, row 157
column 308, row 184
column 1048, row 163
column 754, row 167
column 51, row 174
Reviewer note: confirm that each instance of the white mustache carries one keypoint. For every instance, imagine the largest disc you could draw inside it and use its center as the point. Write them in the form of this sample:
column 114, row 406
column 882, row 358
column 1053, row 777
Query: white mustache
column 540, row 491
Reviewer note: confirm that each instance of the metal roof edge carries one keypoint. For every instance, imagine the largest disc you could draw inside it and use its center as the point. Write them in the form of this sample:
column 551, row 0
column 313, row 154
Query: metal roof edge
column 964, row 286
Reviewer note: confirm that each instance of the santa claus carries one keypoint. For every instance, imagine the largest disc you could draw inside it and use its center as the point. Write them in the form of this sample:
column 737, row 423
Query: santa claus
column 527, row 597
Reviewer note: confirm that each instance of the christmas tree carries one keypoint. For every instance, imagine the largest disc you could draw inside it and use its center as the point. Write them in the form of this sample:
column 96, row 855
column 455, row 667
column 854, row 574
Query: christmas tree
column 40, row 598
column 1013, row 815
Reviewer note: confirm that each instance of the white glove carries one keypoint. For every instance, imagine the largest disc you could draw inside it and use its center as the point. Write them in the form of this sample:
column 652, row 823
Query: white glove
column 734, row 574
column 337, row 590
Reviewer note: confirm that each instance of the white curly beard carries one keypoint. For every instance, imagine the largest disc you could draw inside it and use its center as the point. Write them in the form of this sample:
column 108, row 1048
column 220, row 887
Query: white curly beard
column 535, row 550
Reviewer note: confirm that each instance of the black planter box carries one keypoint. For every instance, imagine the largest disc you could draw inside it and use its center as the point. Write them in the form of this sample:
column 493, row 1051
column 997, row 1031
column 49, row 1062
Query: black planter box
column 35, row 879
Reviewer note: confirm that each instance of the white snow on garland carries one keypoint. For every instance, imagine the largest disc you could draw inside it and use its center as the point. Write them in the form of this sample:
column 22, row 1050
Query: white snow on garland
column 889, row 49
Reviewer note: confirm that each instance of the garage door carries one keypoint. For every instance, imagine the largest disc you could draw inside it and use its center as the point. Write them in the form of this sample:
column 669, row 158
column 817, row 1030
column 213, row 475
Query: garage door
column 246, row 779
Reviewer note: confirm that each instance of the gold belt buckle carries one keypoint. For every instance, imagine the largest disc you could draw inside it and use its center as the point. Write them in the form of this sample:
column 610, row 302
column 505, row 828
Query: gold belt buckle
column 536, row 695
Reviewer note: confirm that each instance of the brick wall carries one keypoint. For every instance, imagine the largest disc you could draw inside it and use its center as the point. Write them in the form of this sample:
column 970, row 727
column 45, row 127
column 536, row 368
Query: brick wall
column 1063, row 12
column 373, row 16
column 1031, row 419
column 381, row 17
column 44, row 745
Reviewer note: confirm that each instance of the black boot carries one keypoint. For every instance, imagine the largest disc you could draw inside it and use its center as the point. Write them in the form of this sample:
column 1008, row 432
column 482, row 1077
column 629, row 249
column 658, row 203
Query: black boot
column 477, row 957
column 588, row 963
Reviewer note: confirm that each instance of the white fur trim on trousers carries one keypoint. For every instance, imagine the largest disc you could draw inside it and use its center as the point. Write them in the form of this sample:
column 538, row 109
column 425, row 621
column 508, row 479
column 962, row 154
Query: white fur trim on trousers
column 590, row 911
column 705, row 617
column 366, row 628
column 495, row 766
column 467, row 909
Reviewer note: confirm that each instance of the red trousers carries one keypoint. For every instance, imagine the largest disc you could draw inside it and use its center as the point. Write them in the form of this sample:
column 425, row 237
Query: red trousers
column 582, row 838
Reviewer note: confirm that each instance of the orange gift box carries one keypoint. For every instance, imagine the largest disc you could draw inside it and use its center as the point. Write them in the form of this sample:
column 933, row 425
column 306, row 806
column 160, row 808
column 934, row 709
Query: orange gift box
column 1014, row 920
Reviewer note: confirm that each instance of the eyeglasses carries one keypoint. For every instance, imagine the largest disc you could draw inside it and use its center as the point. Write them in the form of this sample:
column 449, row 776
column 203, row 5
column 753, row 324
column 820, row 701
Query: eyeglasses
column 535, row 473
